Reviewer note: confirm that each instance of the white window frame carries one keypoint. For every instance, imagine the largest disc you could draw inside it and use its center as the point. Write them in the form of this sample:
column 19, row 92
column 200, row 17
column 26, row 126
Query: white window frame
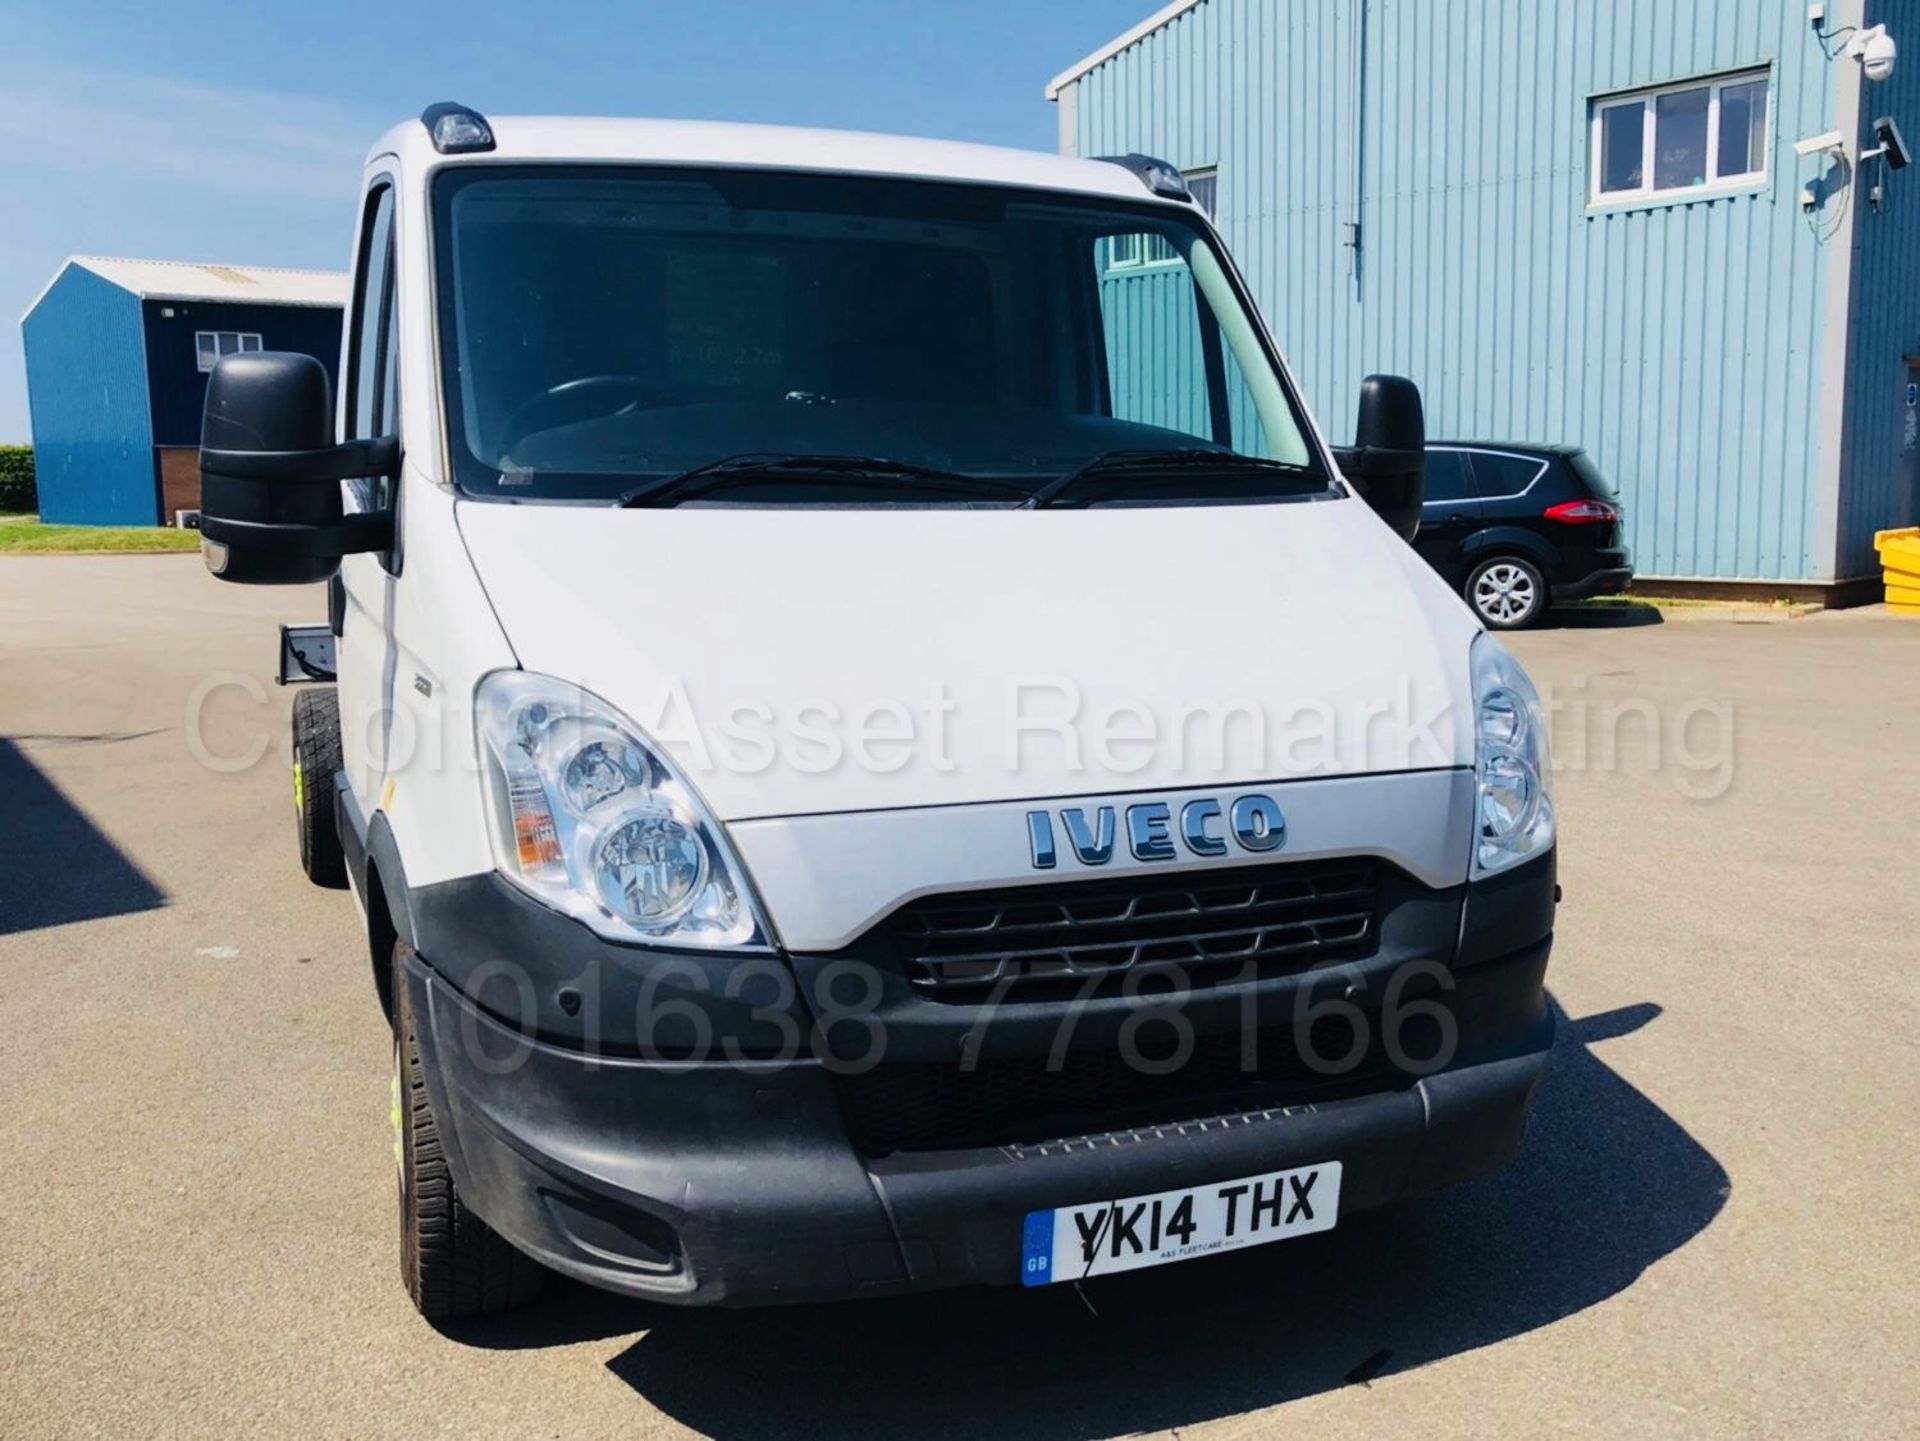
column 1648, row 98
column 243, row 341
column 1132, row 257
column 1205, row 172
column 1141, row 256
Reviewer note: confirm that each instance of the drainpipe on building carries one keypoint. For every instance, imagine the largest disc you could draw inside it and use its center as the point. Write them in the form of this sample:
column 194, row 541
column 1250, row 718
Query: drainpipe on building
column 1839, row 259
column 1356, row 137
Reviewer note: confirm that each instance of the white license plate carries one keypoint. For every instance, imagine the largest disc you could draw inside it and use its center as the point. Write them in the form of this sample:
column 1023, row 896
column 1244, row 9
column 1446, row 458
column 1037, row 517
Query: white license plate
column 1102, row 1237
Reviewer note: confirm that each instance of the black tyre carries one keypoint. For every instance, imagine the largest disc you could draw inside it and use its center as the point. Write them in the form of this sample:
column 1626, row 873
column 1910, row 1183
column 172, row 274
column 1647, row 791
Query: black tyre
column 454, row 1264
column 1506, row 592
column 316, row 757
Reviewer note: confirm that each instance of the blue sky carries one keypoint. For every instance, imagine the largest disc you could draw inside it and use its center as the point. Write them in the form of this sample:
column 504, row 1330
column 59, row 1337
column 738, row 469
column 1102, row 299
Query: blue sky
column 234, row 132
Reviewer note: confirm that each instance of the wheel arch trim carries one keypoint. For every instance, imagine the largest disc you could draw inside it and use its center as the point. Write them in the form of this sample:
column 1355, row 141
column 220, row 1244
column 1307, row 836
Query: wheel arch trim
column 1497, row 540
column 380, row 881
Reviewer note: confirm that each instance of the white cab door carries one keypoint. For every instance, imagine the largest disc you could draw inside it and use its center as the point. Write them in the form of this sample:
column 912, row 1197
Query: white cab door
column 370, row 381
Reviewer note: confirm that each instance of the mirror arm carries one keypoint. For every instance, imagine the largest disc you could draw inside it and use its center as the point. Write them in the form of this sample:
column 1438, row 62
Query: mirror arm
column 1365, row 460
column 349, row 535
column 350, row 460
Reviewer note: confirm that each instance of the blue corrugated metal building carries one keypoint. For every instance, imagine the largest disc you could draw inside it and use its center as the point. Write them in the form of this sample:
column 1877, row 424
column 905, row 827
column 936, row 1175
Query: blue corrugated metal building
column 1574, row 222
column 118, row 353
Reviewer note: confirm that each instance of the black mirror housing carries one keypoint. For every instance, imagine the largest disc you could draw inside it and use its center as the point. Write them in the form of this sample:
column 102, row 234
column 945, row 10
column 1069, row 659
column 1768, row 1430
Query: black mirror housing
column 270, row 508
column 1388, row 460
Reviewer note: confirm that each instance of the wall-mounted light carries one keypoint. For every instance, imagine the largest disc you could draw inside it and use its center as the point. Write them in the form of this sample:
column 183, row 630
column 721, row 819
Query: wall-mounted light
column 1831, row 142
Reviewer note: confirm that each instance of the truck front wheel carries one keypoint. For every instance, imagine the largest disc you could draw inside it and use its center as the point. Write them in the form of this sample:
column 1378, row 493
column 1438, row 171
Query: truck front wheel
column 454, row 1264
column 316, row 758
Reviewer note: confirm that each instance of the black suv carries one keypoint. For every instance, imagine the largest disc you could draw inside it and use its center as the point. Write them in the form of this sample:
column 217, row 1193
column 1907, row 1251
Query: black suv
column 1515, row 527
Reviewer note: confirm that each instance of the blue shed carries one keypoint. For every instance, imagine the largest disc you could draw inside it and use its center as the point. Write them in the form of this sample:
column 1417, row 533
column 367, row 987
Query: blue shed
column 1664, row 232
column 118, row 353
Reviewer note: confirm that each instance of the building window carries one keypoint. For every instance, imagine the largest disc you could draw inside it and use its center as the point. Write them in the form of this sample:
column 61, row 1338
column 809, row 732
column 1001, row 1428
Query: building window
column 210, row 345
column 1204, row 185
column 1125, row 252
column 1678, row 141
column 1128, row 252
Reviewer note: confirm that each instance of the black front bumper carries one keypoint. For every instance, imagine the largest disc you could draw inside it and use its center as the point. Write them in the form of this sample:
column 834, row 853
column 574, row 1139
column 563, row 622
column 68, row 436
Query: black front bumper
column 739, row 1182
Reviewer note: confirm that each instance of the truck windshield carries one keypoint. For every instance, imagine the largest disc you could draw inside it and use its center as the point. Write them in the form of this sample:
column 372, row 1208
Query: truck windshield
column 605, row 327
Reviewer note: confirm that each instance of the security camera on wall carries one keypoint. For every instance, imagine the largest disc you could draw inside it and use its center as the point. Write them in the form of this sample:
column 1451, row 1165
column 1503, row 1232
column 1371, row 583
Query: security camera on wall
column 1893, row 147
column 1875, row 51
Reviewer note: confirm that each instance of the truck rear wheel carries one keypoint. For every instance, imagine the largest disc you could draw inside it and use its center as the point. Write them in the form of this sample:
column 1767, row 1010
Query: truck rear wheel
column 316, row 757
column 454, row 1264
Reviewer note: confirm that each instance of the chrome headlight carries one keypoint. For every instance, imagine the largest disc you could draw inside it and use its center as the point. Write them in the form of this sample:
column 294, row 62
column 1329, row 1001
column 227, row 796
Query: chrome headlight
column 593, row 820
column 1513, row 790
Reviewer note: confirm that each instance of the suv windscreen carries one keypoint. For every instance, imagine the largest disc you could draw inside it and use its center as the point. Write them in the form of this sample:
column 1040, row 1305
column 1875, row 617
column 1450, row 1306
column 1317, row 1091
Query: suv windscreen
column 602, row 327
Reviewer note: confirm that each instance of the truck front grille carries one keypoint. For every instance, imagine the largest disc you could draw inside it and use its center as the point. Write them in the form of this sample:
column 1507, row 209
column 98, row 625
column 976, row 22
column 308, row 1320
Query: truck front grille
column 1084, row 938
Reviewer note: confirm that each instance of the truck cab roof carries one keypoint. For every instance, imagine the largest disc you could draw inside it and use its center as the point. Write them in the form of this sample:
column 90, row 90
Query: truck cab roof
column 535, row 139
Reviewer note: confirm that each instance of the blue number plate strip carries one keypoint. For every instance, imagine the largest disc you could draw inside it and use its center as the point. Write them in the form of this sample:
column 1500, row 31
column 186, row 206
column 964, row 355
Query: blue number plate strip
column 1036, row 1251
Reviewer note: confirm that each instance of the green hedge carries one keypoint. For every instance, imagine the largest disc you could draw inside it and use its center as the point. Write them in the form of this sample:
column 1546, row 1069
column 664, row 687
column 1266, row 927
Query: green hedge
column 17, row 491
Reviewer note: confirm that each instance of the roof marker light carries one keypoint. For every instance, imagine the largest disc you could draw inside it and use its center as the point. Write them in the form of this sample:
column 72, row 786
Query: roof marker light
column 456, row 129
column 1157, row 175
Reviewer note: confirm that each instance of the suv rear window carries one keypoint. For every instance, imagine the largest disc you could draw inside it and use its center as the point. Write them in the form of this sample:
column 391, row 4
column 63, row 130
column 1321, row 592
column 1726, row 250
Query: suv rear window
column 1504, row 475
column 1591, row 474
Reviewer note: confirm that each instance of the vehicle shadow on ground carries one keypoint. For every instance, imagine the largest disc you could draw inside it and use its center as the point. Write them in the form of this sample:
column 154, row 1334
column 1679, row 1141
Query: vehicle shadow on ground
column 1615, row 615
column 1608, row 1184
column 56, row 866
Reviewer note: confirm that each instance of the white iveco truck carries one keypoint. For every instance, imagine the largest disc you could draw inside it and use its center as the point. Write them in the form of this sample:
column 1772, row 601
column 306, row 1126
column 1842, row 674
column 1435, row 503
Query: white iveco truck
column 877, row 744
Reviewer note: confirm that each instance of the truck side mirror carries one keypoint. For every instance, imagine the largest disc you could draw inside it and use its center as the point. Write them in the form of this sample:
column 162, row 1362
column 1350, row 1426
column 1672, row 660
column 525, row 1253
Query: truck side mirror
column 1388, row 461
column 270, row 473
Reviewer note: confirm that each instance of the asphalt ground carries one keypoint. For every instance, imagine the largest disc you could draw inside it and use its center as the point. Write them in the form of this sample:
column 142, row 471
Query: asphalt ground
column 1712, row 1231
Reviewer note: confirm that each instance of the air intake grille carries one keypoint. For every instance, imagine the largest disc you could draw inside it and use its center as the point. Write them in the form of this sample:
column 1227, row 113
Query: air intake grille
column 1048, row 941
column 1010, row 1100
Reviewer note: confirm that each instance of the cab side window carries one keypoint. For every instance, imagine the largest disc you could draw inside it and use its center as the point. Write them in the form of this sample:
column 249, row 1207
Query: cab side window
column 373, row 350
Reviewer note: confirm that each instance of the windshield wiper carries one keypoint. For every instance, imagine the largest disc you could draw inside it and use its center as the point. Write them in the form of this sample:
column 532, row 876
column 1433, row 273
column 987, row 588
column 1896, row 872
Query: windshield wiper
column 871, row 472
column 1148, row 465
